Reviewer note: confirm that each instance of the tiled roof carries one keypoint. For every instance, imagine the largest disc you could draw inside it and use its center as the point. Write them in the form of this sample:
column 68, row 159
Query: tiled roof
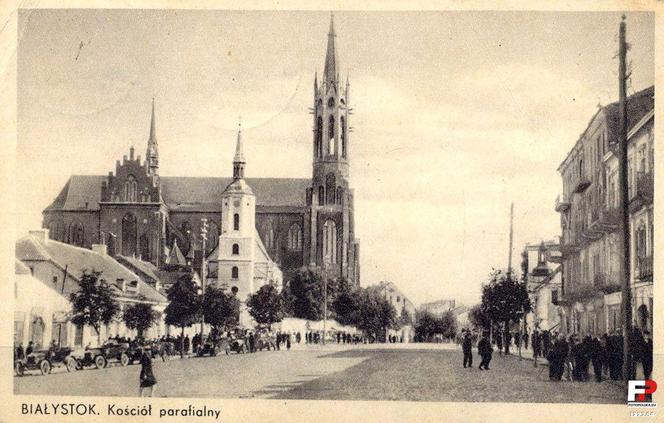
column 187, row 193
column 638, row 105
column 78, row 260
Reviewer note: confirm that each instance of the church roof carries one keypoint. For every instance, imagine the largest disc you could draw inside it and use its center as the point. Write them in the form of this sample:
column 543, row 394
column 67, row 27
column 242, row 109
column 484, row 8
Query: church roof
column 83, row 192
column 176, row 256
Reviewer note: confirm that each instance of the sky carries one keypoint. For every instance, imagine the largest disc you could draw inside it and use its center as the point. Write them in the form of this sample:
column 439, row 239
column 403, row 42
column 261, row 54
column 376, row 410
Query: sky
column 456, row 115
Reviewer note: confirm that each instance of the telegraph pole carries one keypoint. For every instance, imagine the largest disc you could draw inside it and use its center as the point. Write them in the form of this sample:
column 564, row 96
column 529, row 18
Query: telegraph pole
column 509, row 260
column 624, row 195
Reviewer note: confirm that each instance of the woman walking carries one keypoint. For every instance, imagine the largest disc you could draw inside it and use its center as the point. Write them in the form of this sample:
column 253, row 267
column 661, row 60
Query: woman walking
column 147, row 379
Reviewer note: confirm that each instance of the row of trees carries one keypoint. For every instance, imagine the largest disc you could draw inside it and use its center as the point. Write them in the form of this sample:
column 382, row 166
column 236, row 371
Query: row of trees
column 429, row 325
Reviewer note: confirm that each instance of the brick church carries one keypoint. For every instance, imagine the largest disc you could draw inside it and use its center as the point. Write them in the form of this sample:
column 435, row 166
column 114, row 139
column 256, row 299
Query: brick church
column 138, row 213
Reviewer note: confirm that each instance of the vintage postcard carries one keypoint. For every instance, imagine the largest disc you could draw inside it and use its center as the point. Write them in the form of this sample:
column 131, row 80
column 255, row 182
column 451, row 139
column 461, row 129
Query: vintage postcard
column 266, row 212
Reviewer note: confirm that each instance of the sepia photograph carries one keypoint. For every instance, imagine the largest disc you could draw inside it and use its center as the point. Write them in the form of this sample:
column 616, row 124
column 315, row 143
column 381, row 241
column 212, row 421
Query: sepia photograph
column 401, row 206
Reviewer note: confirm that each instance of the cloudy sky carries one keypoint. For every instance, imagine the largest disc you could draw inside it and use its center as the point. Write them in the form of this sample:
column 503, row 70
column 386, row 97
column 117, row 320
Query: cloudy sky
column 457, row 114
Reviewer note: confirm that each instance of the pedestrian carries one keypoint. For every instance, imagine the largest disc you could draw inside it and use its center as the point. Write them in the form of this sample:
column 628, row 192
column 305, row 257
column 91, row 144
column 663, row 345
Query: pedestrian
column 546, row 343
column 499, row 342
column 484, row 349
column 20, row 353
column 278, row 341
column 288, row 341
column 596, row 358
column 467, row 346
column 147, row 379
column 187, row 344
column 536, row 343
column 647, row 356
column 30, row 348
column 508, row 341
column 298, row 337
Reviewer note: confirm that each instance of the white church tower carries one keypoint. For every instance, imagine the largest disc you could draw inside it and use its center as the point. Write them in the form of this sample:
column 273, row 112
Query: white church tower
column 238, row 230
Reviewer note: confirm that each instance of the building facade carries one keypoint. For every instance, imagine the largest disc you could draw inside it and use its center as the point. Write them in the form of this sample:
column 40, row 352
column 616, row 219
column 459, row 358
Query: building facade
column 591, row 243
column 542, row 273
column 405, row 311
column 58, row 267
column 138, row 213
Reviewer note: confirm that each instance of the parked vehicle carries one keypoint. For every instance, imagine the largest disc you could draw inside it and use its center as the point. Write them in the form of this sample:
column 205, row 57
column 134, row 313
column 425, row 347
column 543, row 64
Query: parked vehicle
column 236, row 345
column 266, row 341
column 111, row 351
column 210, row 347
column 45, row 361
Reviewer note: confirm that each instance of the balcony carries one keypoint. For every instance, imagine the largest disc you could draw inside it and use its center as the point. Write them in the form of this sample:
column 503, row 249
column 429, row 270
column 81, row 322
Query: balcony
column 643, row 194
column 562, row 204
column 581, row 184
column 643, row 269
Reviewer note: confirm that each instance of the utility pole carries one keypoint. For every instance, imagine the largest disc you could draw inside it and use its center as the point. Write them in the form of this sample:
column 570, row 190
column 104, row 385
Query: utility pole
column 509, row 260
column 624, row 195
column 204, row 232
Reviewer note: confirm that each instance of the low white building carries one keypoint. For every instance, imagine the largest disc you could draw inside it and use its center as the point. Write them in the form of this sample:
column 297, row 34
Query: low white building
column 59, row 267
column 544, row 283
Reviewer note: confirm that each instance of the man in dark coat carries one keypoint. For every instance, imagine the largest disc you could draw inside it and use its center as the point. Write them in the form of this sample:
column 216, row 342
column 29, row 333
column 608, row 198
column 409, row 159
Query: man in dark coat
column 508, row 341
column 30, row 348
column 146, row 378
column 499, row 342
column 536, row 343
column 647, row 355
column 596, row 354
column 186, row 344
column 546, row 343
column 467, row 346
column 484, row 349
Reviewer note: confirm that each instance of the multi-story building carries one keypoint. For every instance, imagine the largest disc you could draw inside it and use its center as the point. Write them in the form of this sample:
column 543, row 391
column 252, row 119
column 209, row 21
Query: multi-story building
column 404, row 307
column 590, row 219
column 543, row 277
column 438, row 308
column 137, row 212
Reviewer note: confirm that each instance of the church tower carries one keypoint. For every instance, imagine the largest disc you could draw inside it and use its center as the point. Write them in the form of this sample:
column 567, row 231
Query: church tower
column 330, row 229
column 152, row 154
column 238, row 230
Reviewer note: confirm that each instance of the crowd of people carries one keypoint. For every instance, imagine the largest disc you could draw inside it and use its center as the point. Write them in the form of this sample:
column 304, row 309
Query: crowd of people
column 570, row 357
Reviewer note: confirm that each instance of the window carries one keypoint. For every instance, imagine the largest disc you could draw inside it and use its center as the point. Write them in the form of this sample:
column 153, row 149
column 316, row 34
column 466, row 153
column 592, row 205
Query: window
column 321, row 195
column 330, row 135
column 269, row 237
column 340, row 195
column 295, row 238
column 330, row 102
column 236, row 249
column 319, row 137
column 343, row 137
column 235, row 272
column 236, row 222
column 55, row 280
column 78, row 336
column 330, row 188
column 130, row 189
column 330, row 242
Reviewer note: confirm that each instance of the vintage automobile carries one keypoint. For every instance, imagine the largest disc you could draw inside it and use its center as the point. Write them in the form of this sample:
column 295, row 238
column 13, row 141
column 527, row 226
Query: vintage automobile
column 210, row 347
column 267, row 341
column 236, row 345
column 110, row 351
column 45, row 361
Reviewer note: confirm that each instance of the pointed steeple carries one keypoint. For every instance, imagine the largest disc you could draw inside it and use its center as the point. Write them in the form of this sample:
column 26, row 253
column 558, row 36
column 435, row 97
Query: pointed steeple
column 331, row 59
column 175, row 256
column 315, row 82
column 238, row 160
column 152, row 155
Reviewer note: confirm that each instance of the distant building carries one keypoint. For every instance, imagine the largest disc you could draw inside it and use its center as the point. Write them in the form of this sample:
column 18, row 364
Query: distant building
column 59, row 266
column 543, row 276
column 403, row 306
column 438, row 308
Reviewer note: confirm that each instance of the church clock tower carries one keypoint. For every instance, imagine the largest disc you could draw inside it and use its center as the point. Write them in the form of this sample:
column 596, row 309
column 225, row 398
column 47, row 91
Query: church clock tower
column 330, row 199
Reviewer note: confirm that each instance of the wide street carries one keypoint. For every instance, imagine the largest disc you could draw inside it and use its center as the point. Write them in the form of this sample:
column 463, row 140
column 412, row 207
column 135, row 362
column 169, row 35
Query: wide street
column 415, row 372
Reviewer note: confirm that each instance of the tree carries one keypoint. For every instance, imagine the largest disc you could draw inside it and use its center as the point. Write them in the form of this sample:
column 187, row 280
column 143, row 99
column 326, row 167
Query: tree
column 406, row 318
column 140, row 317
column 374, row 314
column 266, row 306
column 478, row 318
column 346, row 303
column 184, row 307
column 93, row 304
column 220, row 310
column 504, row 298
column 447, row 324
column 304, row 296
column 425, row 326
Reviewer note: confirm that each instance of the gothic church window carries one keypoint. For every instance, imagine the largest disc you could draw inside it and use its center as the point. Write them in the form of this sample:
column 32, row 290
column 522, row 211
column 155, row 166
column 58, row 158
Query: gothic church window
column 236, row 222
column 343, row 138
column 340, row 195
column 235, row 272
column 319, row 137
column 330, row 188
column 330, row 102
column 295, row 237
column 330, row 242
column 130, row 189
column 129, row 235
column 330, row 134
column 144, row 247
column 269, row 237
column 235, row 250
column 321, row 195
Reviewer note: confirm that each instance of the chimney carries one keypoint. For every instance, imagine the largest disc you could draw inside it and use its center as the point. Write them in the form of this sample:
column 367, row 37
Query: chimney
column 100, row 248
column 40, row 234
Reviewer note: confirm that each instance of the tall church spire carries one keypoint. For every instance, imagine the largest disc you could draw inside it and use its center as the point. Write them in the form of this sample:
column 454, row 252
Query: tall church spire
column 331, row 59
column 238, row 160
column 152, row 155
